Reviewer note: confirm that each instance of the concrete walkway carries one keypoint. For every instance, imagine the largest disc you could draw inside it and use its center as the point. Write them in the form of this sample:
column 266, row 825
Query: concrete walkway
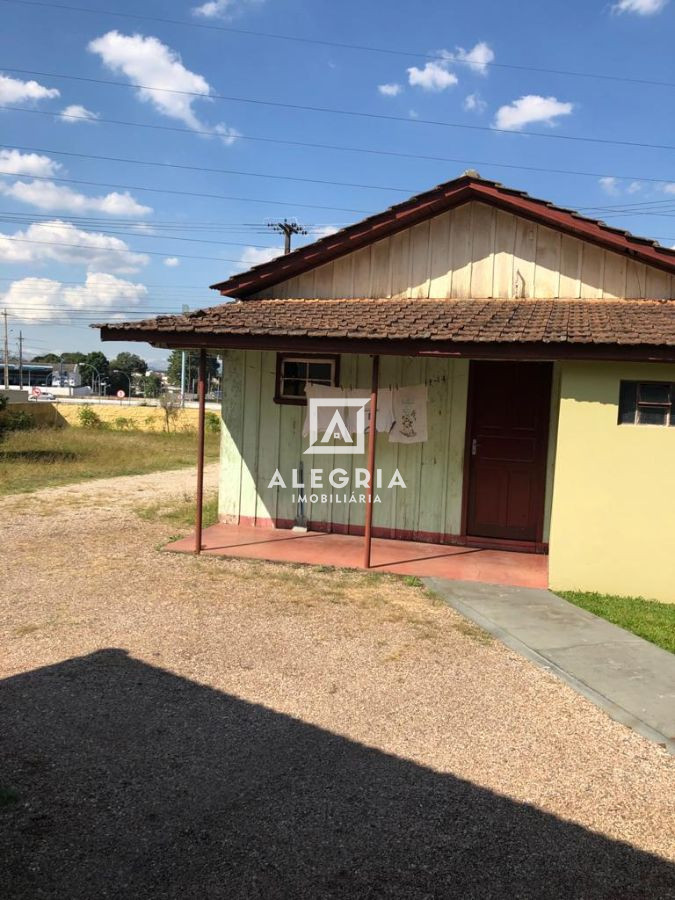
column 631, row 679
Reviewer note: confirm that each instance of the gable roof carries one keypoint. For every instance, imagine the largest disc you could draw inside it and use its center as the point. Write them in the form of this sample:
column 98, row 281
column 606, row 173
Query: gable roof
column 431, row 203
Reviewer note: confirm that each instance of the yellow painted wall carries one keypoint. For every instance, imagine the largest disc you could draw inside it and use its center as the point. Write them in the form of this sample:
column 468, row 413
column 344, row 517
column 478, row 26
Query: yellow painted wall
column 613, row 515
column 145, row 418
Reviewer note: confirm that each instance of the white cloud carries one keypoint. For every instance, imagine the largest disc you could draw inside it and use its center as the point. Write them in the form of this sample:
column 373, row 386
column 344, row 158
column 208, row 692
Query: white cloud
column 75, row 113
column 322, row 231
column 609, row 185
column 435, row 76
column 634, row 187
column 254, row 256
column 147, row 61
column 172, row 262
column 668, row 188
column 390, row 90
column 531, row 108
column 478, row 58
column 13, row 90
column 474, row 103
column 12, row 162
column 44, row 298
column 641, row 7
column 220, row 9
column 44, row 242
column 52, row 197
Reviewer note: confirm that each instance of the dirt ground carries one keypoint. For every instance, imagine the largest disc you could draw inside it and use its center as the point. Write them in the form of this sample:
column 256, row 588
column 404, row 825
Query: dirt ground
column 175, row 727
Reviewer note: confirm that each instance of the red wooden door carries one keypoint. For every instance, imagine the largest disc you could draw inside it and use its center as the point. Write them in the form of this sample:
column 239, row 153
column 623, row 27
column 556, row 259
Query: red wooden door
column 509, row 405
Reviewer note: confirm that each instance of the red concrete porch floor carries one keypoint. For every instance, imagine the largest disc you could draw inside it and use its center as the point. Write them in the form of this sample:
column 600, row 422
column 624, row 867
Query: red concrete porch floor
column 344, row 550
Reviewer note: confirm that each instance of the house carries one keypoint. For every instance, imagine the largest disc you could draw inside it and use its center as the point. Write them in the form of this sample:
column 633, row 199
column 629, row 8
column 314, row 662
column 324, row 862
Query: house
column 544, row 341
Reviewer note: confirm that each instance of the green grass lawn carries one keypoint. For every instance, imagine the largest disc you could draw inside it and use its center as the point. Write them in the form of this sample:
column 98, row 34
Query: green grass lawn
column 649, row 619
column 45, row 457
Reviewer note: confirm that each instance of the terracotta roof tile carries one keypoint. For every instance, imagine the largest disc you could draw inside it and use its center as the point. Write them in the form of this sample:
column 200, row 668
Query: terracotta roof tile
column 627, row 322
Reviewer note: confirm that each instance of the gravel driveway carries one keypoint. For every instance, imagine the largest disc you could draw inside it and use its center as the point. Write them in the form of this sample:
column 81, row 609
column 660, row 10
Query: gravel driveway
column 176, row 727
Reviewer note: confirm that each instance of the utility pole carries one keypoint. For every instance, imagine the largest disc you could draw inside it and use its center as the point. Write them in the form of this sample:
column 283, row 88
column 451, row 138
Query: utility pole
column 6, row 351
column 287, row 229
column 21, row 360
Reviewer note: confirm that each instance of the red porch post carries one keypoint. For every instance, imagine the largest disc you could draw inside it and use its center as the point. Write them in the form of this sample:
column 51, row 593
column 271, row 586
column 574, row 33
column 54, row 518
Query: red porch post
column 372, row 433
column 201, row 396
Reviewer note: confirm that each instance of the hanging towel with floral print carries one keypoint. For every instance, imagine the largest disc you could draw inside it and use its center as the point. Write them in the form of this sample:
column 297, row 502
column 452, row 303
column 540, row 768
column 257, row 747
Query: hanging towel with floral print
column 410, row 415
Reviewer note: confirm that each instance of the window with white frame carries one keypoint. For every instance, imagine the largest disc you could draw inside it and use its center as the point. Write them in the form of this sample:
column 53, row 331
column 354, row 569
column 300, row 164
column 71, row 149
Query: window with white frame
column 295, row 372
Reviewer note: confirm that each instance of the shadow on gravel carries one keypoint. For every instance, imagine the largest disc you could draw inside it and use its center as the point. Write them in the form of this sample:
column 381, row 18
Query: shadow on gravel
column 130, row 782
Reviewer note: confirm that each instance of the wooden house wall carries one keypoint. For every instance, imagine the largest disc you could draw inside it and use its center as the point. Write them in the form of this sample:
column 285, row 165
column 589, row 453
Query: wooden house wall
column 260, row 436
column 478, row 251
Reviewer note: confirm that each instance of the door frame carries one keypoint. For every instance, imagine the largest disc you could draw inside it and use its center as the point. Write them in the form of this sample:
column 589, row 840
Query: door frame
column 536, row 546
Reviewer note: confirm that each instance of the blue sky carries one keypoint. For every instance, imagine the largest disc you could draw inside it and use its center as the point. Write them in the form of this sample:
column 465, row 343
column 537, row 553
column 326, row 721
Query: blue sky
column 130, row 258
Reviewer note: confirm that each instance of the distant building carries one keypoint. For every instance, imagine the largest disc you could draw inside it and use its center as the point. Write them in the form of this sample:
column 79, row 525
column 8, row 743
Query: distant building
column 30, row 374
column 66, row 375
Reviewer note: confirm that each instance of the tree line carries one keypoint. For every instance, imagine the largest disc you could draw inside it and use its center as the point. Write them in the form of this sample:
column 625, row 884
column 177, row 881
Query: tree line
column 129, row 372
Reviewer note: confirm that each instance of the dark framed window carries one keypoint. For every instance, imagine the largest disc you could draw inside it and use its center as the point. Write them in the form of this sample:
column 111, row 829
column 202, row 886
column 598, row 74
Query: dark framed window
column 647, row 403
column 295, row 372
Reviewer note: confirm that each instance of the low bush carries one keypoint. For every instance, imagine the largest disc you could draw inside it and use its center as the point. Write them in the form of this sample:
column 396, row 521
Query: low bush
column 212, row 422
column 18, row 420
column 89, row 418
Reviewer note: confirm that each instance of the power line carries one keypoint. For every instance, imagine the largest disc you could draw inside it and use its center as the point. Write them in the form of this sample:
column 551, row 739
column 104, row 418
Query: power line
column 144, row 162
column 139, row 187
column 277, row 104
column 116, row 249
column 338, row 45
column 91, row 229
column 346, row 149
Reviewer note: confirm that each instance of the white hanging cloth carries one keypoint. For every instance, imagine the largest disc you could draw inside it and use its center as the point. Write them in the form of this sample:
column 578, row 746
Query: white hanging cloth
column 324, row 413
column 410, row 415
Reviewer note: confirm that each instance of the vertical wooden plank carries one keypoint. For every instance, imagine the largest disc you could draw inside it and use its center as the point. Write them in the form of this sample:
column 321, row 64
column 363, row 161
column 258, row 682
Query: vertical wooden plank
column 384, row 514
column 636, row 280
column 434, row 469
column 482, row 251
column 232, row 423
column 419, row 260
column 361, row 379
column 380, row 285
column 400, row 264
column 455, row 457
column 592, row 264
column 439, row 263
column 306, row 285
column 290, row 455
column 505, row 240
column 523, row 259
column 268, row 445
column 362, row 272
column 460, row 251
column 409, row 457
column 250, row 433
column 323, row 281
column 658, row 284
column 343, row 273
column 570, row 268
column 547, row 263
column 340, row 511
column 614, row 281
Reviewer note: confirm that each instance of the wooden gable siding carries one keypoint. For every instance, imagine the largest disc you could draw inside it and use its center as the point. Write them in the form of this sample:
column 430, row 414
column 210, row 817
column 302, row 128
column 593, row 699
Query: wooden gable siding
column 478, row 251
